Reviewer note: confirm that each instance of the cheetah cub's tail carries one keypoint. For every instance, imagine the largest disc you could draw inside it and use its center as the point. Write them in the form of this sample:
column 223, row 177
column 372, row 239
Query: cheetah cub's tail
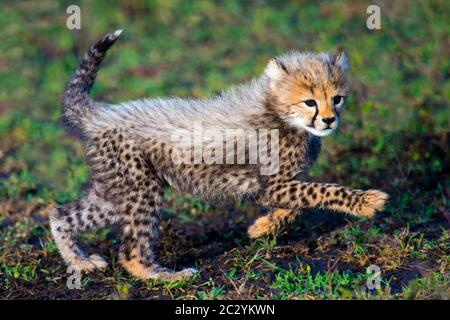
column 76, row 103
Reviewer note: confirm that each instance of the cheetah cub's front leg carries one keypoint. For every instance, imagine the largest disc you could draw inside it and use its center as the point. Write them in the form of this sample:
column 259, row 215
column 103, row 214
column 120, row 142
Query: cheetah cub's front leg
column 294, row 195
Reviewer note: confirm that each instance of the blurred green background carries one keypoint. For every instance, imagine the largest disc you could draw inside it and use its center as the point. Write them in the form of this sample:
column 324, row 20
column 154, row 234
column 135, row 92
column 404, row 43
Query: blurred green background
column 394, row 134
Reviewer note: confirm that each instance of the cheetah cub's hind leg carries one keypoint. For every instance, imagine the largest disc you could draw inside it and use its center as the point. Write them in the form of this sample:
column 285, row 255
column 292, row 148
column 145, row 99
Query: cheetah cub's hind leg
column 272, row 222
column 141, row 215
column 66, row 221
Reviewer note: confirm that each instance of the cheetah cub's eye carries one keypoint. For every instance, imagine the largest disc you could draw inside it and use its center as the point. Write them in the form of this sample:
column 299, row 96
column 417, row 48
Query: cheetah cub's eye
column 338, row 100
column 310, row 103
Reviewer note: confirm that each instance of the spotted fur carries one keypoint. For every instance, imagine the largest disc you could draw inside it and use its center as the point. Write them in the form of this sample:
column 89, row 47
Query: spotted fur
column 129, row 152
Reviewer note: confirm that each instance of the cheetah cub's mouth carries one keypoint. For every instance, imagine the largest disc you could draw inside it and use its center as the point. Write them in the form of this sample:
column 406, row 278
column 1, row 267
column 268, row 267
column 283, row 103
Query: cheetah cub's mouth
column 317, row 131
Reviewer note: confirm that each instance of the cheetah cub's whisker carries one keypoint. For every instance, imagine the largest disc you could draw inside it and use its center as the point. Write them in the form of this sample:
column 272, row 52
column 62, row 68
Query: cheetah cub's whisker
column 129, row 151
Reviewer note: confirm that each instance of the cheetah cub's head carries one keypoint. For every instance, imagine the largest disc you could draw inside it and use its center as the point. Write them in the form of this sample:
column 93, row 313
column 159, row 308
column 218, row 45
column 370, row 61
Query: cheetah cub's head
column 308, row 90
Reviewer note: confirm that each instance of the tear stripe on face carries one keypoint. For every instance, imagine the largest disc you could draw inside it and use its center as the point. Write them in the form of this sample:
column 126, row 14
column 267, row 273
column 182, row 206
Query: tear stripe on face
column 315, row 116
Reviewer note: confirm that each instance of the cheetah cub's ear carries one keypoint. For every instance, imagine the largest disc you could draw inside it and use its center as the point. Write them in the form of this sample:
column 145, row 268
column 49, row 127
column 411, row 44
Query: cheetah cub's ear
column 275, row 71
column 340, row 61
column 339, row 72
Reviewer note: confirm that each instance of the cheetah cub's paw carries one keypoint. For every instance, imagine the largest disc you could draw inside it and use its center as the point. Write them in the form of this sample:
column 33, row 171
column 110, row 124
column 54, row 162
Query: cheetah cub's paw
column 165, row 274
column 89, row 264
column 260, row 227
column 269, row 223
column 371, row 201
column 155, row 271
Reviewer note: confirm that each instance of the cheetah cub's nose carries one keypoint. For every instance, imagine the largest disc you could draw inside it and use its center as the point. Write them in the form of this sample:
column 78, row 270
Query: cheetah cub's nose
column 328, row 120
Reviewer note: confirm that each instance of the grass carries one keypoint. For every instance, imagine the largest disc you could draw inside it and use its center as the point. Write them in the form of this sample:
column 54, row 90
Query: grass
column 394, row 136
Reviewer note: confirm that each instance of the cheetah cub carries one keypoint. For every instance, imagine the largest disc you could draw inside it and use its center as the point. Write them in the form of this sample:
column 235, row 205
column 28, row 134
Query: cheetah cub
column 130, row 150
